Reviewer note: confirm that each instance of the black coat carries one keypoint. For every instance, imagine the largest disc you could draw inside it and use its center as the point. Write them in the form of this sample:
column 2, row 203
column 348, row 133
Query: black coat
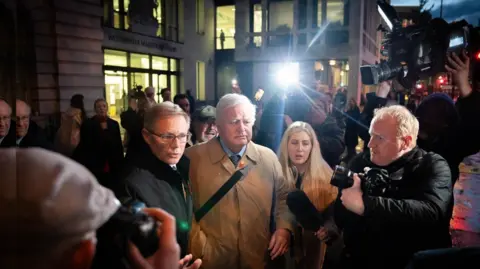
column 156, row 184
column 35, row 137
column 331, row 137
column 412, row 217
column 98, row 147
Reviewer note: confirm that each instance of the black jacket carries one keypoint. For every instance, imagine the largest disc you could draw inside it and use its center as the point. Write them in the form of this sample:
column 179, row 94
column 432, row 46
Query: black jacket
column 331, row 137
column 413, row 216
column 35, row 137
column 156, row 184
column 98, row 147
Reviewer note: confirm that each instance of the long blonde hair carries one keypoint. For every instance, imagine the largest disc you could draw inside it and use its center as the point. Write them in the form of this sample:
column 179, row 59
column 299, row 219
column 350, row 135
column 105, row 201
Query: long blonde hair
column 316, row 180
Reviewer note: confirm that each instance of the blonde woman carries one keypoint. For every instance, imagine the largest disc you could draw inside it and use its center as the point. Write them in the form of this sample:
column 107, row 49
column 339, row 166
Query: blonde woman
column 305, row 169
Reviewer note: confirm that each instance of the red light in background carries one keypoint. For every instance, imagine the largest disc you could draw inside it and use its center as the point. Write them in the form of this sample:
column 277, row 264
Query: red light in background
column 419, row 86
column 442, row 81
column 477, row 56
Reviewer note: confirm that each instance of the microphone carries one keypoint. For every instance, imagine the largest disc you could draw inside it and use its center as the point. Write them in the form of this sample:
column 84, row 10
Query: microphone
column 307, row 215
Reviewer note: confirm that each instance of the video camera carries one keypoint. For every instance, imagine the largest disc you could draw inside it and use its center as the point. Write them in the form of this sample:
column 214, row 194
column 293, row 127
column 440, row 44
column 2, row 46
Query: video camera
column 418, row 51
column 374, row 181
column 128, row 224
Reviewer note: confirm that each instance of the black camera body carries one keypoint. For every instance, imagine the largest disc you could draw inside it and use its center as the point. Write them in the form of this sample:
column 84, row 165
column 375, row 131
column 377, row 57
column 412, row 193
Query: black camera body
column 128, row 224
column 418, row 51
column 375, row 182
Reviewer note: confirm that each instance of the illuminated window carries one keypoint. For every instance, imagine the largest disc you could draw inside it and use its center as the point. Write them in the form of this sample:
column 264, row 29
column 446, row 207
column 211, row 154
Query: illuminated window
column 139, row 61
column 335, row 12
column 173, row 65
column 280, row 15
column 225, row 32
column 115, row 58
column 200, row 4
column 320, row 7
column 200, row 80
column 332, row 73
column 159, row 63
column 257, row 23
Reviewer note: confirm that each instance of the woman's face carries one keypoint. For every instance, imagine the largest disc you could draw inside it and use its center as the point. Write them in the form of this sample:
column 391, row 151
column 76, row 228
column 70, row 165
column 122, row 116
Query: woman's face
column 101, row 108
column 299, row 147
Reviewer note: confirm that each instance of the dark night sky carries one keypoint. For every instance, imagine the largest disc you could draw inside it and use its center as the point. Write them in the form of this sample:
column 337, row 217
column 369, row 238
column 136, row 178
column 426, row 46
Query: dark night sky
column 452, row 9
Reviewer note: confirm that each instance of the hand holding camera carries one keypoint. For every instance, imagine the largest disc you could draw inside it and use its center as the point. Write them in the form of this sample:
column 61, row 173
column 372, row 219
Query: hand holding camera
column 167, row 255
column 352, row 197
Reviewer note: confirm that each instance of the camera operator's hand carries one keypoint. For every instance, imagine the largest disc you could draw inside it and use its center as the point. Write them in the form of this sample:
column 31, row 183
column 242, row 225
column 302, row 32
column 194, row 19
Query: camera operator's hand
column 384, row 89
column 168, row 253
column 352, row 197
column 459, row 67
column 186, row 260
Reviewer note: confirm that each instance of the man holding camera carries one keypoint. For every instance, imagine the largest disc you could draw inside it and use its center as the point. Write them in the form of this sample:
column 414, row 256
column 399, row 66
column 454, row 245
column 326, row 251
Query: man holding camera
column 388, row 216
column 50, row 214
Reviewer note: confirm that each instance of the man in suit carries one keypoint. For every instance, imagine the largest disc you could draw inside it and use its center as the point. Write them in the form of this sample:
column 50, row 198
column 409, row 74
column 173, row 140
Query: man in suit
column 251, row 225
column 29, row 134
column 7, row 135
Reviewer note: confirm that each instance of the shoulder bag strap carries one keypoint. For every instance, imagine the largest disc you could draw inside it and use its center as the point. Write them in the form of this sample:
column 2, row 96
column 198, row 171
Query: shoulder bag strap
column 217, row 196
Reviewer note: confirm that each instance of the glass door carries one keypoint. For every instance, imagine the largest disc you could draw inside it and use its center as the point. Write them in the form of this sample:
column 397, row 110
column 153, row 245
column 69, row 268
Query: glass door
column 160, row 81
column 116, row 90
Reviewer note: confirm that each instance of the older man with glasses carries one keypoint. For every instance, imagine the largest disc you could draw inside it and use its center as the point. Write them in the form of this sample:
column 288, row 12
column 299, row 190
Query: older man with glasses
column 159, row 177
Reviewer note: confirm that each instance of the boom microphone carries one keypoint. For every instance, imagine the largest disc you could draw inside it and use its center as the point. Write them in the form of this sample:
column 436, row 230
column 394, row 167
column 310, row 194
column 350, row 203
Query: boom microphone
column 307, row 215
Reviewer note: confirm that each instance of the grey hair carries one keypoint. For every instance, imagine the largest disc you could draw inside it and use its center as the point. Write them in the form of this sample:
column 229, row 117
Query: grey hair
column 161, row 111
column 406, row 121
column 231, row 100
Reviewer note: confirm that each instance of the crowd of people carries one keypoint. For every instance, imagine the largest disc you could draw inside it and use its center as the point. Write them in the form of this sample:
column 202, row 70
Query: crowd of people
column 219, row 186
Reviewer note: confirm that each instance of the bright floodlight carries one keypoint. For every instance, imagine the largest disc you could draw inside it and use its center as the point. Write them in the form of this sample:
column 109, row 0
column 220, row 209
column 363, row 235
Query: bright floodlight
column 288, row 74
column 234, row 82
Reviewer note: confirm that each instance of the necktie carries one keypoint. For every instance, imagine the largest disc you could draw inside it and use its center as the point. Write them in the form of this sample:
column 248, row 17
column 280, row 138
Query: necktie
column 235, row 159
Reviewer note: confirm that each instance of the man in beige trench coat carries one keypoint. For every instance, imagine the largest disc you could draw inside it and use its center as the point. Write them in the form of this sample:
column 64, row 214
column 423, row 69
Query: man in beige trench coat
column 236, row 232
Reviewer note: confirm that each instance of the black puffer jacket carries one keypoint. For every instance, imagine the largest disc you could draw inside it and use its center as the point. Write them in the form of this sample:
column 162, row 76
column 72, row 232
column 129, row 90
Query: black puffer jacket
column 413, row 216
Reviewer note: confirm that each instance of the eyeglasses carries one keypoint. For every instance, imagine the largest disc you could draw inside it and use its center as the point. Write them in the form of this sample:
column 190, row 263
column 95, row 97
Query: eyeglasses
column 169, row 138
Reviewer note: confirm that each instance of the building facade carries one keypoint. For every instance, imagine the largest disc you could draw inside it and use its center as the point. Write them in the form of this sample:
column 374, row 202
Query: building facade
column 326, row 41
column 53, row 49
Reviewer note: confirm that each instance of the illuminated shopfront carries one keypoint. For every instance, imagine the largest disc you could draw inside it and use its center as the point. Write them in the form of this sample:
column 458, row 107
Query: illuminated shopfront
column 125, row 71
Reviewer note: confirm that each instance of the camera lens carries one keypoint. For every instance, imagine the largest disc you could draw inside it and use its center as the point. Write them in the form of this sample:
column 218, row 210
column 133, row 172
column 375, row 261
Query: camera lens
column 374, row 74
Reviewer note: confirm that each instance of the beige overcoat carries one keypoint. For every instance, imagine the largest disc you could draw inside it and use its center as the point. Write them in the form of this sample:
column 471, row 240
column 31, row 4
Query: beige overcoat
column 236, row 232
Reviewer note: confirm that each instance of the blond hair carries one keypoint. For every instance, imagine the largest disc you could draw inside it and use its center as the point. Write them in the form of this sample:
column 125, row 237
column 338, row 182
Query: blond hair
column 161, row 111
column 407, row 124
column 316, row 180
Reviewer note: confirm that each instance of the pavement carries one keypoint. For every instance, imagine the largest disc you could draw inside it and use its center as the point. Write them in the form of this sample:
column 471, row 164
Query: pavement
column 465, row 223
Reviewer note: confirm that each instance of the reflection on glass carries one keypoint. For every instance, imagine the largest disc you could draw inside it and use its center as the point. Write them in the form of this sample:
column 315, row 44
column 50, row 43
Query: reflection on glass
column 173, row 65
column 115, row 58
column 257, row 40
column 335, row 12
column 160, row 82
column 116, row 85
column 139, row 61
column 126, row 3
column 116, row 20
column 159, row 63
column 280, row 15
column 225, row 31
column 139, row 79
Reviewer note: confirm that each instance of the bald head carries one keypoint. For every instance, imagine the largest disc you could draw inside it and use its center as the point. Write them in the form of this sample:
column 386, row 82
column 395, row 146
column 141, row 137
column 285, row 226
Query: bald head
column 5, row 116
column 23, row 118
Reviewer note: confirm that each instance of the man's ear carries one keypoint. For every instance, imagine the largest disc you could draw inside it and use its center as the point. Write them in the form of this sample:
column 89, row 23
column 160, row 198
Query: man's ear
column 146, row 135
column 407, row 142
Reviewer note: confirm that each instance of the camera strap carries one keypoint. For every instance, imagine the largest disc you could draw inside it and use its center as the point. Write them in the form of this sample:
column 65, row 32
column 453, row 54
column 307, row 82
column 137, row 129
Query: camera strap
column 217, row 196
